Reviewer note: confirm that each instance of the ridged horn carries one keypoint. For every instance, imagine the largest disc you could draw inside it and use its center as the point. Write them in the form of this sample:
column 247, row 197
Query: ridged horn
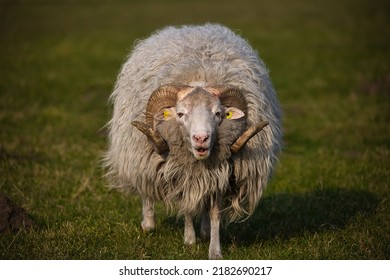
column 163, row 97
column 230, row 96
column 158, row 143
column 248, row 134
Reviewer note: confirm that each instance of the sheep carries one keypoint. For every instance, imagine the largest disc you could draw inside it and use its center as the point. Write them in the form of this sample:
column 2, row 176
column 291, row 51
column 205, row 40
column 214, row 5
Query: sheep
column 197, row 125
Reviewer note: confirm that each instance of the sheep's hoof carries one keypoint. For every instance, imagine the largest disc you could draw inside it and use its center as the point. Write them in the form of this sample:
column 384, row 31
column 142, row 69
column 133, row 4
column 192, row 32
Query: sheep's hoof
column 189, row 235
column 147, row 226
column 189, row 240
column 215, row 256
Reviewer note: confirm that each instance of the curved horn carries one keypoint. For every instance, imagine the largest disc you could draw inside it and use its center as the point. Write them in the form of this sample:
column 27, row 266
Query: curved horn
column 159, row 144
column 230, row 96
column 163, row 97
column 248, row 134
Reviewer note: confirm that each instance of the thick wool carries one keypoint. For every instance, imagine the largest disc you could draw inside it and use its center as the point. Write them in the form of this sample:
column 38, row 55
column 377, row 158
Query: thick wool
column 208, row 54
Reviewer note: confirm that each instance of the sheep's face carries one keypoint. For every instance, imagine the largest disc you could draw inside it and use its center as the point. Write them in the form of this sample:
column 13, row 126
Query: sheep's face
column 201, row 114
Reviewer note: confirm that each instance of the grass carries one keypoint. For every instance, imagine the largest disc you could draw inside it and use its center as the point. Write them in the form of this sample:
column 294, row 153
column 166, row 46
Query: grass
column 330, row 63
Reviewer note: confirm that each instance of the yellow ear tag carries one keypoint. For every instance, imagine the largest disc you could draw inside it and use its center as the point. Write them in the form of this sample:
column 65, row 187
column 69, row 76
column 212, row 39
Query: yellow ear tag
column 166, row 114
column 229, row 115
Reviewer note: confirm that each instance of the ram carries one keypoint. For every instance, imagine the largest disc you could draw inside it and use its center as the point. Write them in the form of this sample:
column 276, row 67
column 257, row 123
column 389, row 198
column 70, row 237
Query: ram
column 196, row 124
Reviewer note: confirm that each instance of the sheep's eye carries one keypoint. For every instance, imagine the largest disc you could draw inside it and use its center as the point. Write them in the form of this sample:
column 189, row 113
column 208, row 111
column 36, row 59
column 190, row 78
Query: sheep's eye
column 180, row 115
column 218, row 114
column 229, row 115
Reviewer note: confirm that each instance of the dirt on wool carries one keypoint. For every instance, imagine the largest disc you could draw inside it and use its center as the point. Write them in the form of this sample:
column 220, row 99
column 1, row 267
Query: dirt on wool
column 13, row 217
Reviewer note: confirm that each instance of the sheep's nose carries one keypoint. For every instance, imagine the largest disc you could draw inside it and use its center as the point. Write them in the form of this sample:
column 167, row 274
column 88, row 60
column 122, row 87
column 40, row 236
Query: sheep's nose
column 200, row 138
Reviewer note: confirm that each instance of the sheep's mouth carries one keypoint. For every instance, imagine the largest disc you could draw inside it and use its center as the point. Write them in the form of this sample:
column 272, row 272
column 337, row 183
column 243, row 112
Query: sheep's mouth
column 201, row 152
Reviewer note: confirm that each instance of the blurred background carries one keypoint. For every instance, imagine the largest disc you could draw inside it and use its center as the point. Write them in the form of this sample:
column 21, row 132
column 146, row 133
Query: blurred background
column 330, row 65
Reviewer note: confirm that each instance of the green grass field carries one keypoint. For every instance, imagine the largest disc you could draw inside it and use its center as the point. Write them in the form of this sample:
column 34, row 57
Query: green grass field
column 330, row 64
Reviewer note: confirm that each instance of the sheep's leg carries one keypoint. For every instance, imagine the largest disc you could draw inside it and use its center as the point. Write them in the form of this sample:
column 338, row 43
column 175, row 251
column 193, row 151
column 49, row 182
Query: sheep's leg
column 205, row 222
column 147, row 223
column 189, row 230
column 215, row 216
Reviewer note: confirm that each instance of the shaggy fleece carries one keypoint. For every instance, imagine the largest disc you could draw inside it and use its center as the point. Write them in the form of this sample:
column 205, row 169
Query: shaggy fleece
column 207, row 54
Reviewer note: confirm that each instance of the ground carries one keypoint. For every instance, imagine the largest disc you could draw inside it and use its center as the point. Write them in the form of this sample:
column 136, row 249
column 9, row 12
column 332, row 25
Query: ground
column 329, row 62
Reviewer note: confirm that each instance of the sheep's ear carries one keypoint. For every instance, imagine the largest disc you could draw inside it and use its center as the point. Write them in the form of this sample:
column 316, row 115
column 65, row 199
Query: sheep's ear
column 232, row 113
column 164, row 114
